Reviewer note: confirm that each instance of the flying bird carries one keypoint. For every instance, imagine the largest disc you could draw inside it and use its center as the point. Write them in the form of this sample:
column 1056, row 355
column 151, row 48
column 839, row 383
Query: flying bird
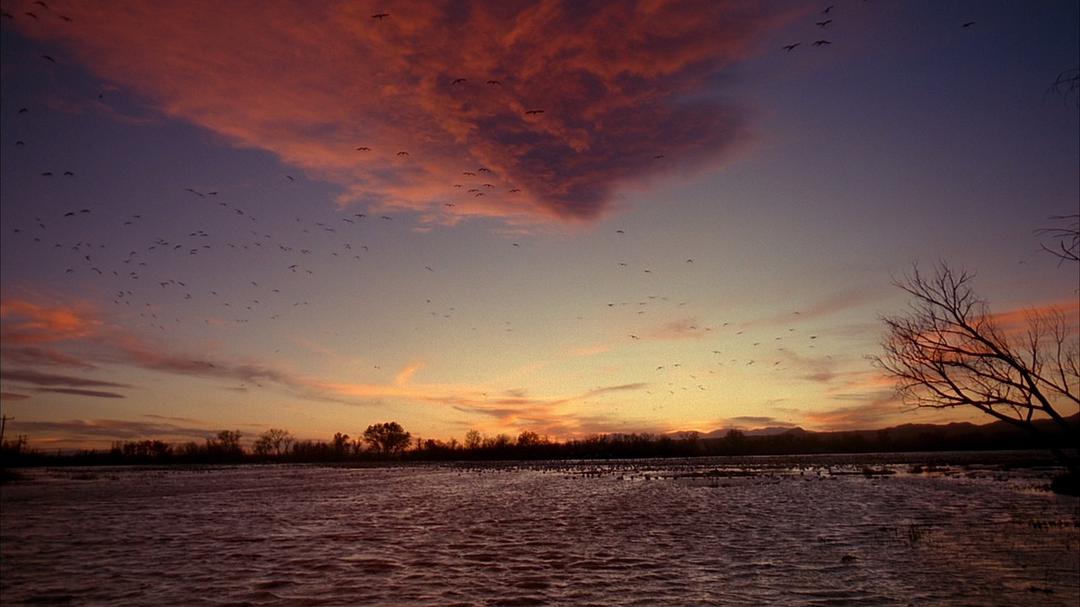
column 533, row 112
column 494, row 82
column 380, row 16
column 402, row 153
column 821, row 42
column 289, row 177
column 791, row 47
column 48, row 58
column 69, row 174
column 824, row 23
column 47, row 174
column 827, row 9
column 968, row 24
column 363, row 149
column 459, row 81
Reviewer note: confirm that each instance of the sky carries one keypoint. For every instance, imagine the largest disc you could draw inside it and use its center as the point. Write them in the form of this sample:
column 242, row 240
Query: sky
column 564, row 217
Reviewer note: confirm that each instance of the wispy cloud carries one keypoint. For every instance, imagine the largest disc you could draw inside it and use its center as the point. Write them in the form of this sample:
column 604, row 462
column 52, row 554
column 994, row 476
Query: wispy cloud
column 13, row 396
column 34, row 356
column 456, row 85
column 682, row 328
column 82, row 431
column 873, row 410
column 828, row 306
column 81, row 392
column 24, row 376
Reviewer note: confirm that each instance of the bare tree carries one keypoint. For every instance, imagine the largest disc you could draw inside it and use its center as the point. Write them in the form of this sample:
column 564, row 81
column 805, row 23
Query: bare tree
column 948, row 350
column 1065, row 237
column 274, row 441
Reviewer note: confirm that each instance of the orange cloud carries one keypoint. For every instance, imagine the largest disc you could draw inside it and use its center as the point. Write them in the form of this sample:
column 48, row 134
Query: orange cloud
column 397, row 111
column 25, row 323
column 1017, row 320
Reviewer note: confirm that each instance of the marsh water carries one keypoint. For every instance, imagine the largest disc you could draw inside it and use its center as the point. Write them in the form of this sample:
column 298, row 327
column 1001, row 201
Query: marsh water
column 857, row 530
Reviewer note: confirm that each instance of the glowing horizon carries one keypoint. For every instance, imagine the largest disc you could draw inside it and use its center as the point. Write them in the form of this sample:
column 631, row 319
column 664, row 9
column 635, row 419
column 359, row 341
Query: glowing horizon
column 558, row 217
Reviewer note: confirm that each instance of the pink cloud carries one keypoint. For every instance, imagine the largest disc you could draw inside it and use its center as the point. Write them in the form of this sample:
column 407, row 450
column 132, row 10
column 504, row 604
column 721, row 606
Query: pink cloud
column 452, row 84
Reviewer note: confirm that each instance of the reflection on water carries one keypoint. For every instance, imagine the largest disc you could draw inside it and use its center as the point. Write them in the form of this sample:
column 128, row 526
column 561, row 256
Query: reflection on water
column 711, row 532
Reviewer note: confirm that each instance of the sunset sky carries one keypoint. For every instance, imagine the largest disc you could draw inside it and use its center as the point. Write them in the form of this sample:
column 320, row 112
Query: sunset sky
column 559, row 216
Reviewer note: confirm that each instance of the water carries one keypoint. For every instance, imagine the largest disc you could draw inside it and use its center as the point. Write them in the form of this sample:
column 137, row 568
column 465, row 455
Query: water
column 810, row 531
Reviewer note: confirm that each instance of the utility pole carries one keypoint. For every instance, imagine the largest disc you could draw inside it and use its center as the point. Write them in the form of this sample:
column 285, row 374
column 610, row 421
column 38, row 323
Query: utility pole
column 3, row 422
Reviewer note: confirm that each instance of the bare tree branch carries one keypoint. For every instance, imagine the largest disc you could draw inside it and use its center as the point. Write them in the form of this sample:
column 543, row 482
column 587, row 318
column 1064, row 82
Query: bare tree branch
column 1066, row 237
column 947, row 351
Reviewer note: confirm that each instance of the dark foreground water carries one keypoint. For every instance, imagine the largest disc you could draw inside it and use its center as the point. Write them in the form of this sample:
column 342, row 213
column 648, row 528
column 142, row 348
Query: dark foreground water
column 762, row 531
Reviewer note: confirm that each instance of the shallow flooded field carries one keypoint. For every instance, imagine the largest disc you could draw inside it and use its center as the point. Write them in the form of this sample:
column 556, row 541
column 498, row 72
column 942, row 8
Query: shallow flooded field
column 856, row 530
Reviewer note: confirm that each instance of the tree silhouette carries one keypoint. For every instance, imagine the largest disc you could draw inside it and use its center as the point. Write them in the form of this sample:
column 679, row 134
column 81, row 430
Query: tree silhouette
column 226, row 445
column 387, row 438
column 1065, row 237
column 950, row 351
column 274, row 441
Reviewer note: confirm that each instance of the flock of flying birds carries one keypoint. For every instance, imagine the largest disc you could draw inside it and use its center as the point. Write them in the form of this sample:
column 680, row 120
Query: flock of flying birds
column 827, row 21
column 135, row 271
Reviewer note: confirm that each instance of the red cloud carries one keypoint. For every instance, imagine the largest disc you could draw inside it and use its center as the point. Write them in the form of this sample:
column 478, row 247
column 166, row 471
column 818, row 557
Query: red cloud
column 453, row 84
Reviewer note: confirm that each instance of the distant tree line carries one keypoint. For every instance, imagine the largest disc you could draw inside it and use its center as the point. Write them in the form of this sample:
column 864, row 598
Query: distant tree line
column 389, row 441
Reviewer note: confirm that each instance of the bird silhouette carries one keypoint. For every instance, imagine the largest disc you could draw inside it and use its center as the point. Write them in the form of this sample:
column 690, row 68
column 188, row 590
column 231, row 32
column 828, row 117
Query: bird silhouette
column 48, row 58
column 402, row 153
column 363, row 149
column 968, row 24
column 791, row 47
column 533, row 112
column 494, row 82
column 824, row 23
column 459, row 81
column 821, row 42
column 827, row 10
column 380, row 16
